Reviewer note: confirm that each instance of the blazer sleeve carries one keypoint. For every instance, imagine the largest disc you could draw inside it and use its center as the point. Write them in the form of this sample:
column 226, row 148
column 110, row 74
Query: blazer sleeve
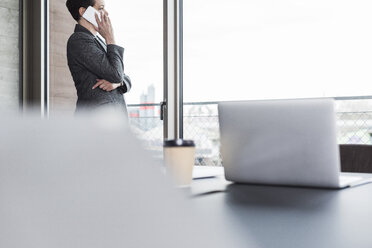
column 127, row 84
column 108, row 66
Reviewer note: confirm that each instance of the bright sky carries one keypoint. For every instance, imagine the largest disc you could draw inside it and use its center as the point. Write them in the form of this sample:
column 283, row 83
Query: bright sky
column 252, row 49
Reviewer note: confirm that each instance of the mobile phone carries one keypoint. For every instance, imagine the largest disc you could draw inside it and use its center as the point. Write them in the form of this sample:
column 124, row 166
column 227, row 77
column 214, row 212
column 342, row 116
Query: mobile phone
column 89, row 15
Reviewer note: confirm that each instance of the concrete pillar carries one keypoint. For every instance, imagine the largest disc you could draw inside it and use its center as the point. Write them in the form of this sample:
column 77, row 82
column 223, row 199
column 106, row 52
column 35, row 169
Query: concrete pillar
column 9, row 55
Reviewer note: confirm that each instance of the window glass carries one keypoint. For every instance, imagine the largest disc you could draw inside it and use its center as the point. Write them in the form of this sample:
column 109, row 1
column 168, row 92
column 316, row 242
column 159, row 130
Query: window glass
column 242, row 49
column 138, row 27
column 265, row 49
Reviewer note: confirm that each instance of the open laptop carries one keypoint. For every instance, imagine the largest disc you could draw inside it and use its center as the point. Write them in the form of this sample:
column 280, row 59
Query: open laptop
column 282, row 142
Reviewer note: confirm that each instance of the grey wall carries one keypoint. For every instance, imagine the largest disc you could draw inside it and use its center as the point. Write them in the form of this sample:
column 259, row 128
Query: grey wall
column 9, row 54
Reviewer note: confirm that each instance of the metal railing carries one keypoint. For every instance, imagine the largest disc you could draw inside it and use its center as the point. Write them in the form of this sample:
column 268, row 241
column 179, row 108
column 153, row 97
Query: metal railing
column 201, row 125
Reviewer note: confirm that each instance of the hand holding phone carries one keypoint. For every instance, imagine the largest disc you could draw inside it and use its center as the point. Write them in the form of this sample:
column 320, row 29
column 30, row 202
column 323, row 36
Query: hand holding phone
column 105, row 28
column 89, row 15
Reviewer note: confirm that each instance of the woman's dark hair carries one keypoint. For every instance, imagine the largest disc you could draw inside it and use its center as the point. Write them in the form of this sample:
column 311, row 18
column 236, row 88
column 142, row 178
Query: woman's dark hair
column 74, row 6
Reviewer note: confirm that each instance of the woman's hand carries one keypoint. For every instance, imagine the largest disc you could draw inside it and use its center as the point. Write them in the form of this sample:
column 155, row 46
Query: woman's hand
column 105, row 28
column 105, row 85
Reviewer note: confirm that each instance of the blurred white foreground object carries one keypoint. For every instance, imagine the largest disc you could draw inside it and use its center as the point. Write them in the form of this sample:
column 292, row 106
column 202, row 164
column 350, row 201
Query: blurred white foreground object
column 86, row 183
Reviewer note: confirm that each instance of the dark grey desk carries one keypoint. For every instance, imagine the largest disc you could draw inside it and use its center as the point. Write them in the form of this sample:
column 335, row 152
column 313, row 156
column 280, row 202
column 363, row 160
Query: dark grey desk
column 289, row 217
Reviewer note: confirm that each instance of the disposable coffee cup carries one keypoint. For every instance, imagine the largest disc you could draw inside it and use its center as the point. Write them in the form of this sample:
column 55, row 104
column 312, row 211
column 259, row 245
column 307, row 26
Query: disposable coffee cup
column 179, row 157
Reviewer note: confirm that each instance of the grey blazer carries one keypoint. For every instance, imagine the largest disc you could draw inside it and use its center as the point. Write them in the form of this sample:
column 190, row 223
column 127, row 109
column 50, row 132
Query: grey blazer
column 89, row 59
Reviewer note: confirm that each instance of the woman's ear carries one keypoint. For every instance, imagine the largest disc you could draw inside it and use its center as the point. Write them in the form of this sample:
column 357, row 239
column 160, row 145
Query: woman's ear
column 82, row 11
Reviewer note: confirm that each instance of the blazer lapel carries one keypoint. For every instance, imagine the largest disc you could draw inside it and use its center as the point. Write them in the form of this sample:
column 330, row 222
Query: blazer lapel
column 101, row 43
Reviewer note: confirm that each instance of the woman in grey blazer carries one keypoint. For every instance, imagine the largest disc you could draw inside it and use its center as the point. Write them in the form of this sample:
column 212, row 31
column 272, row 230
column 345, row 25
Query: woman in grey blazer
column 96, row 66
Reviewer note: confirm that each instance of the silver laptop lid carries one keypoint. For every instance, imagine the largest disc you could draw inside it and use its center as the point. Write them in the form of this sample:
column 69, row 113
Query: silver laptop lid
column 283, row 142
